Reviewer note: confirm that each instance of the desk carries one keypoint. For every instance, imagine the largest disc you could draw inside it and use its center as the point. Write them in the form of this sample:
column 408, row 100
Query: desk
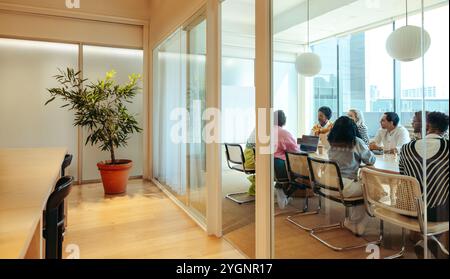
column 27, row 178
column 384, row 162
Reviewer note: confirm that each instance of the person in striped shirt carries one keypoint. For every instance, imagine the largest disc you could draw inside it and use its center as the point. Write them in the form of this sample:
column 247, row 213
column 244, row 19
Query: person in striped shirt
column 435, row 149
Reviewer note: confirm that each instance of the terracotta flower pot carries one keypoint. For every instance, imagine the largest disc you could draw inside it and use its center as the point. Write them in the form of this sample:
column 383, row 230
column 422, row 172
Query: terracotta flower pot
column 115, row 177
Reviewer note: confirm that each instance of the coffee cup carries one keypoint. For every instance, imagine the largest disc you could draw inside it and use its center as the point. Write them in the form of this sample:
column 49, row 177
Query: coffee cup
column 320, row 149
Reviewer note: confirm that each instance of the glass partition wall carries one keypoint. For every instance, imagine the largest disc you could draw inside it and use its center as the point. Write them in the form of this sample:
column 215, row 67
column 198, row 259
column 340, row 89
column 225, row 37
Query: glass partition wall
column 376, row 118
column 179, row 97
column 238, row 124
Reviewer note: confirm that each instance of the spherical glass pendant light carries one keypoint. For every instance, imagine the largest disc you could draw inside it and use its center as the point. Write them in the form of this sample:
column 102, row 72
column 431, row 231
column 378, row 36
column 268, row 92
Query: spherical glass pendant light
column 308, row 64
column 405, row 43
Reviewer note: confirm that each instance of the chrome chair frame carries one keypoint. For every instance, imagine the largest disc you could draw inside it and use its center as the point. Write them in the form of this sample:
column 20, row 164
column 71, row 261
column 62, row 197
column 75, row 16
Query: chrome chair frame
column 420, row 219
column 293, row 176
column 341, row 199
column 244, row 170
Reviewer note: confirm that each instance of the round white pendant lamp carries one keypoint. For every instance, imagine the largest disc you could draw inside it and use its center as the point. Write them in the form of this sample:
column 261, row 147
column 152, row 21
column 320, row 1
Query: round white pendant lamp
column 308, row 64
column 405, row 43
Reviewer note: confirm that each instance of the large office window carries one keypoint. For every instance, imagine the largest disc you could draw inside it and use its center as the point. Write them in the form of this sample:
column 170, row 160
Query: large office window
column 366, row 75
column 325, row 85
column 436, row 69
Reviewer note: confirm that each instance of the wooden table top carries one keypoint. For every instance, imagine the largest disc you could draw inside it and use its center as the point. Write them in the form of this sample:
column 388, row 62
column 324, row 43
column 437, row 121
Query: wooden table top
column 27, row 178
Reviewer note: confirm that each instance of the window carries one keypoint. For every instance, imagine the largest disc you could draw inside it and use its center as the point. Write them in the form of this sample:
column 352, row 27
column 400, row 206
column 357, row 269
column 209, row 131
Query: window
column 436, row 89
column 325, row 85
column 366, row 75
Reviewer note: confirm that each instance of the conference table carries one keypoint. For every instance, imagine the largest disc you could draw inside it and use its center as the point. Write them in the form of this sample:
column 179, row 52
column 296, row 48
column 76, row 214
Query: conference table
column 387, row 162
column 27, row 178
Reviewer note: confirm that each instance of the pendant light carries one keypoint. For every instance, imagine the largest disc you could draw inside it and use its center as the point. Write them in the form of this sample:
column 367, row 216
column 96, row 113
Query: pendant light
column 405, row 43
column 308, row 64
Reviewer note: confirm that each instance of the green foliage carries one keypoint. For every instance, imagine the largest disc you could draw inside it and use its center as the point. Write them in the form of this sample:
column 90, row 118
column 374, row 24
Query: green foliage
column 99, row 107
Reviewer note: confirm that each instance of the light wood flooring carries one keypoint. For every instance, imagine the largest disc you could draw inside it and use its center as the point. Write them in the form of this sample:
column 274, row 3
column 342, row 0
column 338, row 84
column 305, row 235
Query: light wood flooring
column 142, row 224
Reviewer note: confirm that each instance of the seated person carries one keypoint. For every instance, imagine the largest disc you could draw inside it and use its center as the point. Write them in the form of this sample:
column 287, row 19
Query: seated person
column 249, row 155
column 417, row 126
column 349, row 151
column 323, row 128
column 391, row 136
column 285, row 142
column 358, row 117
column 436, row 150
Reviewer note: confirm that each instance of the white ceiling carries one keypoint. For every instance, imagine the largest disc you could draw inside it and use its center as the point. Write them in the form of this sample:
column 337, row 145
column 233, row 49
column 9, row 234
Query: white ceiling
column 355, row 15
column 328, row 17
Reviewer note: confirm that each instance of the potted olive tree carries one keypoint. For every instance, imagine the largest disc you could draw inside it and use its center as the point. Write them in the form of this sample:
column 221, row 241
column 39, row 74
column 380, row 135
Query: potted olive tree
column 100, row 108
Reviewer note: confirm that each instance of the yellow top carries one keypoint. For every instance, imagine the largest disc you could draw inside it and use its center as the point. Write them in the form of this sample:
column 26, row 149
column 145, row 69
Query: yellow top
column 27, row 178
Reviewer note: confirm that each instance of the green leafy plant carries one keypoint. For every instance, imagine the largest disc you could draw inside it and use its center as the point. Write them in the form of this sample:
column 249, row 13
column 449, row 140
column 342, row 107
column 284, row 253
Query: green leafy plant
column 99, row 107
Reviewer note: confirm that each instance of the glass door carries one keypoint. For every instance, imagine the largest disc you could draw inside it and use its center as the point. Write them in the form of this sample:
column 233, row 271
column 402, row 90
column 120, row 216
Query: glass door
column 195, row 105
column 179, row 101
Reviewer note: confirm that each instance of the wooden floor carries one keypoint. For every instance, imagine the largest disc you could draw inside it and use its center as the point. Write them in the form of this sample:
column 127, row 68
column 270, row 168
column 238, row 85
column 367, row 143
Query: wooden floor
column 292, row 242
column 143, row 224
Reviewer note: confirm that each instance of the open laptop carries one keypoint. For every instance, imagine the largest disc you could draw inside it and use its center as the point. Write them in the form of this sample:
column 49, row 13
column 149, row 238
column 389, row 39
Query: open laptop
column 309, row 144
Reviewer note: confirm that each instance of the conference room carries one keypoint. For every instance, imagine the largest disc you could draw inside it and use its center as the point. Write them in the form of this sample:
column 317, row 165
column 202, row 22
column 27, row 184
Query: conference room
column 351, row 77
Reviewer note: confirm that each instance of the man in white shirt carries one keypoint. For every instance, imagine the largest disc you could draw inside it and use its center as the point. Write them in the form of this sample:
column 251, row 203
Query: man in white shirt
column 392, row 136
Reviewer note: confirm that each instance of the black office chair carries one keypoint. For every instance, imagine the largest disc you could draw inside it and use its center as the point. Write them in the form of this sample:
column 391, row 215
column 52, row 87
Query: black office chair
column 54, row 218
column 65, row 164
column 281, row 177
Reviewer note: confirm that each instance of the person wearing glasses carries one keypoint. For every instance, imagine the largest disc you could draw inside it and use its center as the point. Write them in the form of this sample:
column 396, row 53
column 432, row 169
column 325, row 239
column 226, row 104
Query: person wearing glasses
column 357, row 116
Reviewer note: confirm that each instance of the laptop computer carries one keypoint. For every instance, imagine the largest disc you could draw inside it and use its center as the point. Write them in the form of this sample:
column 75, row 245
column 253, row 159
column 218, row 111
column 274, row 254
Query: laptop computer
column 309, row 144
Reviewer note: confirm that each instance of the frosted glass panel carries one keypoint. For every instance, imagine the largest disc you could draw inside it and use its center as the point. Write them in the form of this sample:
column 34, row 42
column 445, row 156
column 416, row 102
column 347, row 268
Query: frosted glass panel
column 238, row 99
column 26, row 70
column 285, row 82
column 169, row 93
column 96, row 62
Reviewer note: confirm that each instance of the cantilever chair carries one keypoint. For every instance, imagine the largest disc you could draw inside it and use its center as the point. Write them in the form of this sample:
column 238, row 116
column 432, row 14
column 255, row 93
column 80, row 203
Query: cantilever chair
column 298, row 174
column 236, row 161
column 397, row 199
column 327, row 181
